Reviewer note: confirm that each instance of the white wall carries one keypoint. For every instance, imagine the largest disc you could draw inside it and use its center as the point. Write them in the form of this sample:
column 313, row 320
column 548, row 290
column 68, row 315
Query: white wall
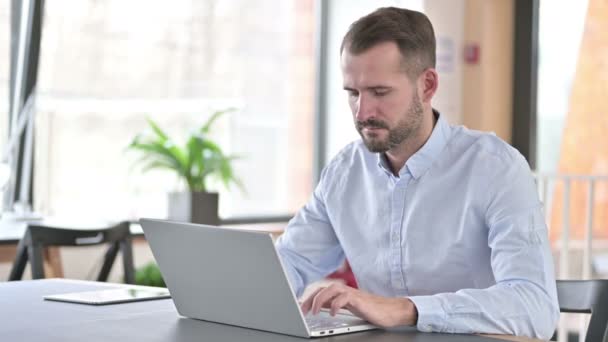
column 448, row 21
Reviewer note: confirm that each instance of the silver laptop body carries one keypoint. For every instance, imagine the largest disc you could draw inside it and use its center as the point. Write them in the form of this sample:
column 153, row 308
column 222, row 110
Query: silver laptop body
column 234, row 277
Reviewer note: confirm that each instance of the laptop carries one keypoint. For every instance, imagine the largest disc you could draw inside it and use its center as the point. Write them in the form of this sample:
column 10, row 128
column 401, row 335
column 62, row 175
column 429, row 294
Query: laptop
column 234, row 277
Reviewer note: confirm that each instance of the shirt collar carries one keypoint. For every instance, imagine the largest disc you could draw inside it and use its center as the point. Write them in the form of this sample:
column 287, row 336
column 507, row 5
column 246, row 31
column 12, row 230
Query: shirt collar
column 422, row 160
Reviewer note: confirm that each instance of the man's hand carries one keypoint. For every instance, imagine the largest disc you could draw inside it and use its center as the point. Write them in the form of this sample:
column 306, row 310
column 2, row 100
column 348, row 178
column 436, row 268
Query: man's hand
column 382, row 311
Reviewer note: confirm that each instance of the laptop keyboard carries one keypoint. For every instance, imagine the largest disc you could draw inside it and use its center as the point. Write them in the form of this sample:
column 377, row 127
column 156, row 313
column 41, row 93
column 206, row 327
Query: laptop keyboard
column 323, row 323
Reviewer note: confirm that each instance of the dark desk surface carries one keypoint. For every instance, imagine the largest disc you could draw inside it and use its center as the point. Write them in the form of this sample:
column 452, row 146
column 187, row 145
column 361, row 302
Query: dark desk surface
column 25, row 316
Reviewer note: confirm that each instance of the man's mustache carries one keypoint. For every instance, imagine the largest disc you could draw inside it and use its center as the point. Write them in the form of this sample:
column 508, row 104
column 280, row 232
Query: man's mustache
column 371, row 123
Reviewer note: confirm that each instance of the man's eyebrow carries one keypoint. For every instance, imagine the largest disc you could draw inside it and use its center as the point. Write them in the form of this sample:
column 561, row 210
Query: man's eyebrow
column 378, row 87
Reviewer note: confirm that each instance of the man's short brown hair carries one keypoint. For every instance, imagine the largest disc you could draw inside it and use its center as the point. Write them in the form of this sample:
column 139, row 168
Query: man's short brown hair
column 412, row 32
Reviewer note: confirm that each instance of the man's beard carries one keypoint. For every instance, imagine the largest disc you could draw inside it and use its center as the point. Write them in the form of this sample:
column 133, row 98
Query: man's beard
column 405, row 129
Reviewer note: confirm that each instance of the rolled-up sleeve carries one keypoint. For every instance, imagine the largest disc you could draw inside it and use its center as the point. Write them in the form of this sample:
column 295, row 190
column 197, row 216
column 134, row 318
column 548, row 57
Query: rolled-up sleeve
column 524, row 300
column 309, row 249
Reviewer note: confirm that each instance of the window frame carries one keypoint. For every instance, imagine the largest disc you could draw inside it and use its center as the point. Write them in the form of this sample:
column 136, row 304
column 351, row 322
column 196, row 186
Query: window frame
column 525, row 79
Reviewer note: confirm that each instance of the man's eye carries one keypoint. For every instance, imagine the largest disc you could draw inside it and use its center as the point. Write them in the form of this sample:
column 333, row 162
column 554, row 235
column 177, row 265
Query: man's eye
column 352, row 93
column 380, row 93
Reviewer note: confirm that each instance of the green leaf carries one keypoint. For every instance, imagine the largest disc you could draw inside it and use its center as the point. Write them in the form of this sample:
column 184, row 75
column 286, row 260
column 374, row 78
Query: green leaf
column 160, row 152
column 159, row 132
column 157, row 165
column 149, row 275
column 207, row 126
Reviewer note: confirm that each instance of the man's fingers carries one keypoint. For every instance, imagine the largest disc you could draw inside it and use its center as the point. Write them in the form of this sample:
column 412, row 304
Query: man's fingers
column 339, row 302
column 307, row 304
column 324, row 296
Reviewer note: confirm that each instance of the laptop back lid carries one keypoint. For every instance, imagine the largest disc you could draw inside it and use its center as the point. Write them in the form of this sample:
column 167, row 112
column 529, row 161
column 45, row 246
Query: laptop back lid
column 225, row 275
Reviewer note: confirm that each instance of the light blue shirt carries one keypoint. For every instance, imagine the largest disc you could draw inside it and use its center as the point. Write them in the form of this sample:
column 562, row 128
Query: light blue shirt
column 460, row 231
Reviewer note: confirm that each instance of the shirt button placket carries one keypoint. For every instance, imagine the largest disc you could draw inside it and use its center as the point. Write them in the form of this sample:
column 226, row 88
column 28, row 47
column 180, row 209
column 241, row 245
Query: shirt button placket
column 395, row 243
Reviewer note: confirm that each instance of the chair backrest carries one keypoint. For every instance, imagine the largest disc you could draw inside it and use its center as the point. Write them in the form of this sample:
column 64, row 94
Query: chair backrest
column 52, row 235
column 586, row 296
column 39, row 235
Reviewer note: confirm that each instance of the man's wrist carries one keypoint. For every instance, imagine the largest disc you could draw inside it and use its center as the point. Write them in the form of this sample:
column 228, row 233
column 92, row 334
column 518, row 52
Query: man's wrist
column 413, row 312
column 407, row 312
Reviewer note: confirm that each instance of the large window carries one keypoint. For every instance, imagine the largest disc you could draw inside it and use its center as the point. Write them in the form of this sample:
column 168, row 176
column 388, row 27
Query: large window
column 105, row 65
column 572, row 118
column 4, row 71
column 558, row 56
column 4, row 83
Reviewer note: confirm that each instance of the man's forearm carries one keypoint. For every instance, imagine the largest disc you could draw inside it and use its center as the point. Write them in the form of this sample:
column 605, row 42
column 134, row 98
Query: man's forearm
column 518, row 308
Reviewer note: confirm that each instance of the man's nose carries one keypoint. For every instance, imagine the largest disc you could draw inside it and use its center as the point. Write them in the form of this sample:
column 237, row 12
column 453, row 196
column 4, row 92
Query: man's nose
column 365, row 108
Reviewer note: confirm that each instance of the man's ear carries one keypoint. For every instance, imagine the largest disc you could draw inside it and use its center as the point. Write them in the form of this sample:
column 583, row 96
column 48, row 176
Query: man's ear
column 427, row 84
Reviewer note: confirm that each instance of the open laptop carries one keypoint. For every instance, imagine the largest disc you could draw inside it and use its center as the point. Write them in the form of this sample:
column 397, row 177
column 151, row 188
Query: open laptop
column 234, row 277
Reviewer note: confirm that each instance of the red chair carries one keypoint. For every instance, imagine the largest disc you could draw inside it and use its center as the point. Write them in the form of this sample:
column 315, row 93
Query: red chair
column 346, row 274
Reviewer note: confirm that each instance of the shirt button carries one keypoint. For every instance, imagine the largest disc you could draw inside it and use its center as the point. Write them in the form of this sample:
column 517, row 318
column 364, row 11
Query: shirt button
column 429, row 327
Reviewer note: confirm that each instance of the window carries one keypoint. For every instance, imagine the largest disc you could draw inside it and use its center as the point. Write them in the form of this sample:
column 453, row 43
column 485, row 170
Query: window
column 572, row 119
column 558, row 54
column 4, row 72
column 4, row 86
column 106, row 65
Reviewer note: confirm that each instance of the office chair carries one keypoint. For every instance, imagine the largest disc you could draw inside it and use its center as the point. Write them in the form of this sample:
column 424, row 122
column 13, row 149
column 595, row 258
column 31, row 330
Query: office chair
column 586, row 296
column 40, row 235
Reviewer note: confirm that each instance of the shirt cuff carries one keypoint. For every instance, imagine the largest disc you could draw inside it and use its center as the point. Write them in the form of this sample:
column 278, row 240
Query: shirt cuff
column 431, row 315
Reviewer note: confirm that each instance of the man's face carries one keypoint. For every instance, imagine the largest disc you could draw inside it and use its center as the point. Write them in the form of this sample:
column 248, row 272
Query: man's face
column 386, row 108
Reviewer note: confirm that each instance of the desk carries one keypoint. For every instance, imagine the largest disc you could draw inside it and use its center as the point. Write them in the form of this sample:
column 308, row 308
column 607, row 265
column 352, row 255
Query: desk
column 25, row 316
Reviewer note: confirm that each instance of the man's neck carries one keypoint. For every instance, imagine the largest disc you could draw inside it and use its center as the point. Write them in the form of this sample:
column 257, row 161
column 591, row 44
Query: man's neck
column 399, row 155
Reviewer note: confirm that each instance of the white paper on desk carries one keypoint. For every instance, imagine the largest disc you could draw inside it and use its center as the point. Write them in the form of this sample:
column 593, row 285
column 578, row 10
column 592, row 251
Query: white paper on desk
column 111, row 296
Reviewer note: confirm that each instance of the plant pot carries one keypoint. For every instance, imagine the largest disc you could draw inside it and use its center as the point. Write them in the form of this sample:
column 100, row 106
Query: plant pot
column 195, row 207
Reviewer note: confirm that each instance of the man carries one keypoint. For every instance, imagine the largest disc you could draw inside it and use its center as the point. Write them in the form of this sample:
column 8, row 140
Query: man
column 441, row 225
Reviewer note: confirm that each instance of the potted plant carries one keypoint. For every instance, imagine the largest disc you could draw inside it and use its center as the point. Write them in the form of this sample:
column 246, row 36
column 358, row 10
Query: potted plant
column 194, row 162
column 149, row 275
